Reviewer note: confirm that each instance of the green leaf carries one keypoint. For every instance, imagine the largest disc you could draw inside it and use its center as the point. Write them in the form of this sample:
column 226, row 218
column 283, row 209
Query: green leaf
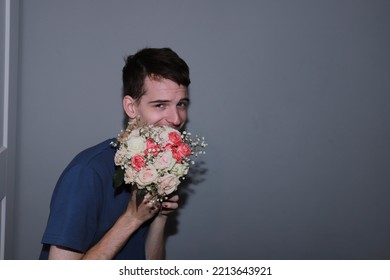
column 118, row 177
column 140, row 196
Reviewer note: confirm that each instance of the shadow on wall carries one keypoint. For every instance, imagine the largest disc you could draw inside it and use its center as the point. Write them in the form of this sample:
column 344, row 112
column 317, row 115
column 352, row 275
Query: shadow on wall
column 196, row 176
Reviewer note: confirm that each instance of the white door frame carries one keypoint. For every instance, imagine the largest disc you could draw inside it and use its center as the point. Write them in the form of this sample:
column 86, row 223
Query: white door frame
column 8, row 94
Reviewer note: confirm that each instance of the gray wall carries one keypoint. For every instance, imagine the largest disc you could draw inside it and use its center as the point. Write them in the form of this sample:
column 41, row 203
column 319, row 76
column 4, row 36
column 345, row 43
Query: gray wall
column 292, row 96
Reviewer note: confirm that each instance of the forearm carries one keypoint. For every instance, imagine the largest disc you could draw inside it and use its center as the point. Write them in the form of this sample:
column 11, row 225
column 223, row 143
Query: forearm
column 113, row 241
column 106, row 249
column 155, row 241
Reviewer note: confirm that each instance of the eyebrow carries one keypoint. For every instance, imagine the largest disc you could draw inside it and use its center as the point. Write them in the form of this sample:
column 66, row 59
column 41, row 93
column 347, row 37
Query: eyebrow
column 167, row 101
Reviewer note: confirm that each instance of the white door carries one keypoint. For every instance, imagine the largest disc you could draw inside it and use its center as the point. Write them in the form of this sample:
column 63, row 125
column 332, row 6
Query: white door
column 8, row 92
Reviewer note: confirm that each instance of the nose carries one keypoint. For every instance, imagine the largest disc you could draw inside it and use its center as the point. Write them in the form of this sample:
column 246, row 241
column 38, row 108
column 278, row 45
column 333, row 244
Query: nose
column 174, row 118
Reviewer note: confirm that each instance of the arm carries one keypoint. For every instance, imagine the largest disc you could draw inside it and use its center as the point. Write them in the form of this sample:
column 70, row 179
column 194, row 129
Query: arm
column 155, row 241
column 116, row 237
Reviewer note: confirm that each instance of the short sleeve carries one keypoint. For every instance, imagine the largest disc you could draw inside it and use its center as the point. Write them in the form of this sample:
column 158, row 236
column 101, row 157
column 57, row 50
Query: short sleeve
column 73, row 209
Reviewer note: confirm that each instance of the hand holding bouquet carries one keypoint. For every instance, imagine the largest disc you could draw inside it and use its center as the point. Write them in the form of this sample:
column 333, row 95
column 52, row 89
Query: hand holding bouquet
column 155, row 159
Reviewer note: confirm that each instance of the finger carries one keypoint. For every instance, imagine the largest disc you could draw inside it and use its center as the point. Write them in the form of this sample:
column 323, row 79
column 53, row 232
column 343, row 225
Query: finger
column 174, row 198
column 153, row 204
column 154, row 209
column 170, row 205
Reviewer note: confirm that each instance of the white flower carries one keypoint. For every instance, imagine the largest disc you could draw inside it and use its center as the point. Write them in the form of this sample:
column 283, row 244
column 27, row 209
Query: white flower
column 118, row 159
column 129, row 175
column 164, row 135
column 165, row 161
column 133, row 133
column 180, row 169
column 168, row 184
column 135, row 145
column 146, row 176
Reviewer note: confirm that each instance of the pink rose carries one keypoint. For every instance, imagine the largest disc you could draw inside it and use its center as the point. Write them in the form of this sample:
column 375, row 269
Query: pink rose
column 138, row 162
column 151, row 147
column 168, row 147
column 184, row 150
column 174, row 138
column 165, row 161
column 168, row 184
column 177, row 155
column 146, row 176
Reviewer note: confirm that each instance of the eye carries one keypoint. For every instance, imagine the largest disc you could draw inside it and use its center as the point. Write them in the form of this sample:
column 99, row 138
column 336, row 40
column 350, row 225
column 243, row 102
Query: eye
column 160, row 105
column 183, row 104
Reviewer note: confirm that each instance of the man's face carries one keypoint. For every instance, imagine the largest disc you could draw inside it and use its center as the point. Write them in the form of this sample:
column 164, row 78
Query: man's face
column 164, row 103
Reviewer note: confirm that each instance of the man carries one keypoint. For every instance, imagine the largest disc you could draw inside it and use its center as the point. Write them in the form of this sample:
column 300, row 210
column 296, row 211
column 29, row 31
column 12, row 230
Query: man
column 88, row 218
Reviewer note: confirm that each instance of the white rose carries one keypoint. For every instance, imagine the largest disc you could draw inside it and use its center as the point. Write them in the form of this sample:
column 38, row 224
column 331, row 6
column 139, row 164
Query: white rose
column 165, row 161
column 133, row 133
column 180, row 169
column 118, row 158
column 136, row 145
column 164, row 139
column 168, row 184
column 164, row 135
column 129, row 175
column 146, row 176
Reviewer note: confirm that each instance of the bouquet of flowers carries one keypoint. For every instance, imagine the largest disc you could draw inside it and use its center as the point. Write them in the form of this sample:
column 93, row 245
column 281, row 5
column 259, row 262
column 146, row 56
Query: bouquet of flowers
column 155, row 159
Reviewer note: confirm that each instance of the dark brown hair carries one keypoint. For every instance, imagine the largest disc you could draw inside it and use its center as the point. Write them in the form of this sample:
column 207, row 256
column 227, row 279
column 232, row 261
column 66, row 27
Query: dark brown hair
column 153, row 63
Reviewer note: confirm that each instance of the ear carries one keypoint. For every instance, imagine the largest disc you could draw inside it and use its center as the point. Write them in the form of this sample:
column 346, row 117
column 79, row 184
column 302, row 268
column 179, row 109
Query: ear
column 130, row 106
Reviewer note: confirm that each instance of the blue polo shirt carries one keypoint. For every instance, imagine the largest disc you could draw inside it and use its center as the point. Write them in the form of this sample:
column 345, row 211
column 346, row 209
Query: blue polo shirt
column 85, row 205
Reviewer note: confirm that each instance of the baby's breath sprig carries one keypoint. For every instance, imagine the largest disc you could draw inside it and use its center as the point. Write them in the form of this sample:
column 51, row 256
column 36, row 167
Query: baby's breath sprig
column 197, row 144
